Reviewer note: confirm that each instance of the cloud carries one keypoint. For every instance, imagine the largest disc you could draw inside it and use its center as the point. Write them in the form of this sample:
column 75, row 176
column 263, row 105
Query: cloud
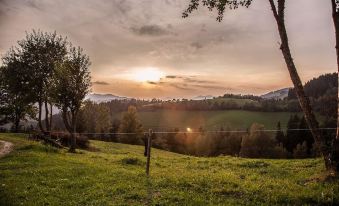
column 197, row 45
column 149, row 30
column 171, row 77
column 194, row 80
column 151, row 82
column 100, row 83
column 119, row 35
column 188, row 83
column 181, row 87
column 211, row 87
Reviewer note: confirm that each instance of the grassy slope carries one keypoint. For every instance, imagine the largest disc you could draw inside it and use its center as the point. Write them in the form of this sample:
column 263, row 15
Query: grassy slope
column 34, row 174
column 212, row 119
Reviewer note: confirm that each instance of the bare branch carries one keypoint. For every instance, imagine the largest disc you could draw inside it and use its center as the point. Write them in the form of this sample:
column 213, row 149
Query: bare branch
column 274, row 9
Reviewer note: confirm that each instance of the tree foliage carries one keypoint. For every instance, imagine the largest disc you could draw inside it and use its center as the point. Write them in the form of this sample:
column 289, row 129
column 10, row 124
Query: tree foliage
column 219, row 5
column 72, row 83
column 16, row 102
column 44, row 68
column 131, row 126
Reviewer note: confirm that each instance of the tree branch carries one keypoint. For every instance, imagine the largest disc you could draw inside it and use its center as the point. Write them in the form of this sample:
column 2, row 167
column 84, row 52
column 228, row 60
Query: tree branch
column 281, row 9
column 274, row 10
column 334, row 6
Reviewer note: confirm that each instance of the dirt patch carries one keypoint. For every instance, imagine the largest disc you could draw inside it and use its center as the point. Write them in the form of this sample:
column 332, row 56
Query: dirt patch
column 5, row 148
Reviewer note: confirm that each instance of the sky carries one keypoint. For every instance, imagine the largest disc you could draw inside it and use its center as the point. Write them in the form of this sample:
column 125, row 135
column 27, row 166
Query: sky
column 145, row 49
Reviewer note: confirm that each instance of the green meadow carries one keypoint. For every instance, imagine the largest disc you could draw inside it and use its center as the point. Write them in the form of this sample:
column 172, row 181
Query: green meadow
column 114, row 174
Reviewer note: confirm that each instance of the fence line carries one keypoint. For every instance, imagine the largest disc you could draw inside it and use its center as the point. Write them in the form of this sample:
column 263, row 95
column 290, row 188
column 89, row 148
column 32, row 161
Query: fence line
column 188, row 132
column 148, row 142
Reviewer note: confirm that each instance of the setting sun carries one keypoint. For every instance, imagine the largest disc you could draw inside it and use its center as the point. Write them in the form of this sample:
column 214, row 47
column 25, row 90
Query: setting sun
column 148, row 74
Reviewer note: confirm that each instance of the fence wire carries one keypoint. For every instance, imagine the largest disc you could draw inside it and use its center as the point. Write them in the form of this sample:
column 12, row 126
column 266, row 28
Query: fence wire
column 187, row 132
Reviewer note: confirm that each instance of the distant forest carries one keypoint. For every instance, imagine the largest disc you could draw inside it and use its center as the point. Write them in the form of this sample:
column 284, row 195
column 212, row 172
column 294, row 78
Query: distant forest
column 321, row 90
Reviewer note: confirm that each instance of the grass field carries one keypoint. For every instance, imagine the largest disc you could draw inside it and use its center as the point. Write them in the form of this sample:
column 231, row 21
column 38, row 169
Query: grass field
column 234, row 119
column 240, row 102
column 34, row 174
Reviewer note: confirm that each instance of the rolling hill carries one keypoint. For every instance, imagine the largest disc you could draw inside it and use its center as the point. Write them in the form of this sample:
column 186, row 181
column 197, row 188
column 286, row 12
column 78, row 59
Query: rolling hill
column 278, row 94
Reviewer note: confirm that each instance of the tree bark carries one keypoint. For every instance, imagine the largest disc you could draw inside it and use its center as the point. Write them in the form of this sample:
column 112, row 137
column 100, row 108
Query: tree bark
column 16, row 122
column 335, row 145
column 39, row 118
column 70, row 124
column 304, row 101
column 51, row 116
column 73, row 133
column 66, row 121
column 47, row 117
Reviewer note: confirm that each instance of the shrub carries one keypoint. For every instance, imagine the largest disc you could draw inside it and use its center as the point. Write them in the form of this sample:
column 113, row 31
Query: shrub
column 64, row 139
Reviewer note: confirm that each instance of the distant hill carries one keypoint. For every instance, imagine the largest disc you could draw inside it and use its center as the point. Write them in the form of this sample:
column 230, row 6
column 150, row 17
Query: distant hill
column 103, row 97
column 278, row 94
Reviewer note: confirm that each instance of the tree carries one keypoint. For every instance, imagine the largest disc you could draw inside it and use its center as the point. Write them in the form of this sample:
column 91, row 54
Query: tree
column 257, row 144
column 305, row 135
column 103, row 120
column 72, row 79
column 39, row 52
column 4, row 99
column 278, row 10
column 88, row 113
column 301, row 151
column 16, row 103
column 292, row 134
column 114, row 129
column 279, row 135
column 335, row 144
column 131, row 127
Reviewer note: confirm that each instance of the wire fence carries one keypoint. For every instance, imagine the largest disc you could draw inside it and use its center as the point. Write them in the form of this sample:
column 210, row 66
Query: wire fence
column 189, row 132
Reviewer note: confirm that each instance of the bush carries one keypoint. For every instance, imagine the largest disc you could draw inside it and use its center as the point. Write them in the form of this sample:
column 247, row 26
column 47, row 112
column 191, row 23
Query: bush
column 64, row 139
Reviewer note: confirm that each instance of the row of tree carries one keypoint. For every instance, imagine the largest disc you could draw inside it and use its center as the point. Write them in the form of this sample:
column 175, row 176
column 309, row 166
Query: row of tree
column 44, row 69
column 297, row 142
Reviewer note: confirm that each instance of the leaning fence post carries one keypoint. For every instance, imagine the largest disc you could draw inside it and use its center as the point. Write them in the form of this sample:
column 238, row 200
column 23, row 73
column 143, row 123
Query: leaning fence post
column 149, row 144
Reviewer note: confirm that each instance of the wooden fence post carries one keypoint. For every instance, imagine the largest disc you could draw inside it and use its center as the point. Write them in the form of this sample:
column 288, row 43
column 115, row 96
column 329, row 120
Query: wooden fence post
column 149, row 145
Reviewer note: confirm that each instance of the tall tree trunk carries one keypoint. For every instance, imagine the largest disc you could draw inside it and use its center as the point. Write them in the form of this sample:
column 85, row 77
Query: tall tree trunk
column 304, row 101
column 66, row 121
column 39, row 118
column 51, row 116
column 69, row 122
column 47, row 117
column 73, row 133
column 335, row 146
column 16, row 122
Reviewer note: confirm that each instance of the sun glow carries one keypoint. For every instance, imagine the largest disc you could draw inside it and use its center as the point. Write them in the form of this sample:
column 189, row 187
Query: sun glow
column 148, row 75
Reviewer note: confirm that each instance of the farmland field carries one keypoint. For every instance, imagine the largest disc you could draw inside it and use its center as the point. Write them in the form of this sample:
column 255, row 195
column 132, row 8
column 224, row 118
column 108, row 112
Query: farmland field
column 234, row 119
column 35, row 174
